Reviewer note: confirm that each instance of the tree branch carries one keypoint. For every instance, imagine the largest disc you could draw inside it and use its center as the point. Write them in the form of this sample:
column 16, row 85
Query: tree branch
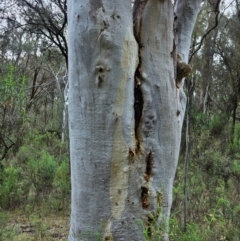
column 206, row 34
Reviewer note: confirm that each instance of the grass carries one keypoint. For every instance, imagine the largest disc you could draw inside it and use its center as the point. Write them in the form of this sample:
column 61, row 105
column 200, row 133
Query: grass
column 39, row 225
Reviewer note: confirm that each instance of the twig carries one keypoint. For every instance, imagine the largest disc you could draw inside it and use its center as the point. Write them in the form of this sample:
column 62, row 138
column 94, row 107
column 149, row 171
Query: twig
column 205, row 35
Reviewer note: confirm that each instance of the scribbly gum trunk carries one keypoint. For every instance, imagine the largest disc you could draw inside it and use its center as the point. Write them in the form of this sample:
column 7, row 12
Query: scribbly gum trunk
column 103, row 57
column 159, row 130
column 125, row 118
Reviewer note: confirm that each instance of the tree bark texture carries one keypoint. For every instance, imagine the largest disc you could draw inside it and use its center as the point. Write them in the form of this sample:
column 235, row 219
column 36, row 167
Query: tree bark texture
column 125, row 118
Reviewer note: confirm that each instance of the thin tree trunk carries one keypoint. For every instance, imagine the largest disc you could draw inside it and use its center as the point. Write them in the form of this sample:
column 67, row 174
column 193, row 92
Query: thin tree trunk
column 235, row 105
column 205, row 99
column 186, row 160
column 185, row 176
column 163, row 109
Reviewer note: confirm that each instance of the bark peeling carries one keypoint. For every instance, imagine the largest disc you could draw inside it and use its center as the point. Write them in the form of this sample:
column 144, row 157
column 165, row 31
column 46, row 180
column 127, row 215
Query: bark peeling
column 149, row 166
column 119, row 173
column 107, row 232
column 138, row 95
column 118, row 189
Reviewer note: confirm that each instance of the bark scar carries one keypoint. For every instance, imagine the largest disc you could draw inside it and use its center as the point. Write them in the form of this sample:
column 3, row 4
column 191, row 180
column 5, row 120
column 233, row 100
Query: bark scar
column 149, row 165
column 145, row 197
column 138, row 95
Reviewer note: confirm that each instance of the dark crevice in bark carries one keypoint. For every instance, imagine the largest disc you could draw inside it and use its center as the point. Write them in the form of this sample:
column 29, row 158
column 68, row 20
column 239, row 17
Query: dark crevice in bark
column 138, row 102
column 131, row 155
column 149, row 165
column 174, row 51
column 130, row 152
column 107, row 238
column 145, row 197
column 138, row 107
column 138, row 95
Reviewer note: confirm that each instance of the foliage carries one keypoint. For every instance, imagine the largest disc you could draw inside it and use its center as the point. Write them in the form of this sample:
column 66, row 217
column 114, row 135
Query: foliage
column 3, row 221
column 34, row 174
column 10, row 190
column 62, row 180
column 12, row 101
column 32, row 157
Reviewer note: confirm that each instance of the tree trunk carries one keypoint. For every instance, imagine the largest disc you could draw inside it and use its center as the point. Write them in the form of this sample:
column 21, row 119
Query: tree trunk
column 125, row 117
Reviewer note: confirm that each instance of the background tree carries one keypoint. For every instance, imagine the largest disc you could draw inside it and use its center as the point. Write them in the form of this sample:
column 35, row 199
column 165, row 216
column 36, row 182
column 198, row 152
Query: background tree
column 30, row 112
column 212, row 152
column 45, row 19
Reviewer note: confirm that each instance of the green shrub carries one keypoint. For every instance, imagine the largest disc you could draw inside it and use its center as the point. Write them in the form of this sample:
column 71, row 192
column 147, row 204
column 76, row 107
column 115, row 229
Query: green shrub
column 62, row 179
column 217, row 123
column 10, row 190
column 41, row 172
column 3, row 222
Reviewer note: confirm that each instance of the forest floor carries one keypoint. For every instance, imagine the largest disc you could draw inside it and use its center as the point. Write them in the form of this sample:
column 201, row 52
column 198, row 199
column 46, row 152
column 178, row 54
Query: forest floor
column 34, row 226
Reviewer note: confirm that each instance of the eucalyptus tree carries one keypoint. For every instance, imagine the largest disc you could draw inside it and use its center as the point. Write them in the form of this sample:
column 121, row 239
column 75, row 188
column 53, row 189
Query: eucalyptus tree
column 126, row 109
column 226, row 96
column 216, row 66
column 46, row 19
column 34, row 34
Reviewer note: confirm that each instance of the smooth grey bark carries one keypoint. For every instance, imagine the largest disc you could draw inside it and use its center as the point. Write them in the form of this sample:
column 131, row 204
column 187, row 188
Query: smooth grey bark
column 64, row 99
column 125, row 117
column 186, row 12
column 164, row 102
column 102, row 62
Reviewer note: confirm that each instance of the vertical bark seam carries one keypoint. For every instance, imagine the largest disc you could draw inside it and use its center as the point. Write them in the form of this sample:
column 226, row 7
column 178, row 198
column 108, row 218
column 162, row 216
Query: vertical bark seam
column 145, row 197
column 149, row 165
column 138, row 95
